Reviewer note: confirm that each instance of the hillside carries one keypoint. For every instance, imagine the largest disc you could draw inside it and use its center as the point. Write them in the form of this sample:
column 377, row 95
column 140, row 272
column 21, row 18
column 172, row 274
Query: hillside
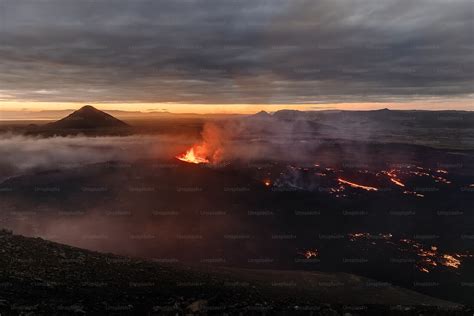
column 45, row 277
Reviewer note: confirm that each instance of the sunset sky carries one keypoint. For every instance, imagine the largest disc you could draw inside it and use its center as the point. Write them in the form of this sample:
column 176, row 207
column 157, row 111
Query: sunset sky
column 241, row 56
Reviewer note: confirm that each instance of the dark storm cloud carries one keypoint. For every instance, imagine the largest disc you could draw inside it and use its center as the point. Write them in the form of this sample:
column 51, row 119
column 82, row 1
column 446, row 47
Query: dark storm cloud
column 235, row 51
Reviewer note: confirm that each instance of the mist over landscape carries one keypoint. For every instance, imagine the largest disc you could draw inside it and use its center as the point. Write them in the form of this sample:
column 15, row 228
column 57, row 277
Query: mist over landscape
column 206, row 157
column 266, row 184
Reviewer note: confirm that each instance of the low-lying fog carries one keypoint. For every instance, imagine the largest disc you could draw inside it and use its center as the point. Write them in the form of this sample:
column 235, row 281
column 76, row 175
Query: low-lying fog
column 22, row 154
column 236, row 140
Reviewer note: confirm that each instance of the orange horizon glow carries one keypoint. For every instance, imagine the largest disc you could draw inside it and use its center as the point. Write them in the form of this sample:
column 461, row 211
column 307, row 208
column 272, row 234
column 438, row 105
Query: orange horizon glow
column 201, row 108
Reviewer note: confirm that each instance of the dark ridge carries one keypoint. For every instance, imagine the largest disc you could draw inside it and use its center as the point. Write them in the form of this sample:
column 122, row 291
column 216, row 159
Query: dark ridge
column 262, row 114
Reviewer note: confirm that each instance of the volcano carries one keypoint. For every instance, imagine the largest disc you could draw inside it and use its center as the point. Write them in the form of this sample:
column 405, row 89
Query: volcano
column 86, row 118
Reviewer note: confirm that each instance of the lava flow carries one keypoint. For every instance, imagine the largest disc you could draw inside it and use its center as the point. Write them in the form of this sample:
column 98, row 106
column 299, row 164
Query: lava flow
column 309, row 253
column 432, row 257
column 355, row 185
column 393, row 177
column 427, row 259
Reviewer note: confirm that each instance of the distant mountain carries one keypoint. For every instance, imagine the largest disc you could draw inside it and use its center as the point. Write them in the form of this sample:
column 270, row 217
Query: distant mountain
column 262, row 115
column 87, row 118
column 385, row 117
column 290, row 114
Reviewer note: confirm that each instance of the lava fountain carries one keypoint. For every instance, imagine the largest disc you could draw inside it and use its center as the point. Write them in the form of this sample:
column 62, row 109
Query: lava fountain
column 192, row 157
column 209, row 150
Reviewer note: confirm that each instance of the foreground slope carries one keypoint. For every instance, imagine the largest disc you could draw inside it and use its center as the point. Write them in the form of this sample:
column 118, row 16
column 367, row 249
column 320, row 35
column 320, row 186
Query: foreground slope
column 44, row 277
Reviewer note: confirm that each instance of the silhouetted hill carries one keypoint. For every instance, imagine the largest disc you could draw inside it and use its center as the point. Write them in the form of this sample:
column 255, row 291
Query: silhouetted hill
column 396, row 118
column 262, row 115
column 88, row 117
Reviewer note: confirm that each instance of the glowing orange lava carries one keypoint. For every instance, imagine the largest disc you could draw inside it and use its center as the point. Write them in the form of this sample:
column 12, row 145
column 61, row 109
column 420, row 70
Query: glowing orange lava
column 355, row 185
column 429, row 258
column 310, row 253
column 397, row 182
column 450, row 261
column 209, row 150
column 192, row 157
column 393, row 177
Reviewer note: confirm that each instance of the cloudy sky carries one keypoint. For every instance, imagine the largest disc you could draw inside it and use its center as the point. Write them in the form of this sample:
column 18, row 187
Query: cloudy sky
column 230, row 54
